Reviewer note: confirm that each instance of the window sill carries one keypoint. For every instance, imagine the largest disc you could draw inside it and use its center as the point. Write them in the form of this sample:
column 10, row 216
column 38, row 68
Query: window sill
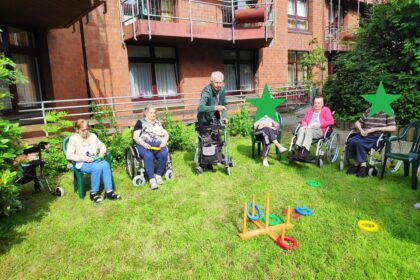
column 297, row 31
column 156, row 98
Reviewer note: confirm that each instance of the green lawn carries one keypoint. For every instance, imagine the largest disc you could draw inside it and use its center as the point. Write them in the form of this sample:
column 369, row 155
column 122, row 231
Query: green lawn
column 188, row 229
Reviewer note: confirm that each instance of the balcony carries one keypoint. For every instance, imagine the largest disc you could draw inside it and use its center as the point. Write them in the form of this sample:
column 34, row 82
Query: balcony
column 339, row 38
column 243, row 22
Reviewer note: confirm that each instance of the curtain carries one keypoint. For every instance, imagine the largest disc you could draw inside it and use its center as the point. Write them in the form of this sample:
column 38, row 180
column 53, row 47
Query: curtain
column 27, row 92
column 165, row 79
column 230, row 77
column 246, row 76
column 291, row 7
column 302, row 8
column 140, row 79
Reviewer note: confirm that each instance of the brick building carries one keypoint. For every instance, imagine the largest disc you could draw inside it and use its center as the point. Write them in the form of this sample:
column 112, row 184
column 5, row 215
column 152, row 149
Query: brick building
column 163, row 50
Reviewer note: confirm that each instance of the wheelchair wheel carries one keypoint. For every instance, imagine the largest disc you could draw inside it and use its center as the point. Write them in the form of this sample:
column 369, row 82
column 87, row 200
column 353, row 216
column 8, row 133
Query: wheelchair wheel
column 231, row 163
column 59, row 191
column 341, row 165
column 227, row 170
column 138, row 180
column 129, row 163
column 169, row 175
column 320, row 162
column 333, row 148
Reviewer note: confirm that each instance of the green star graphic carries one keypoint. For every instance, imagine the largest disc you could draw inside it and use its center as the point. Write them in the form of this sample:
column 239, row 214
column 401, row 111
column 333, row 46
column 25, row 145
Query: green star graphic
column 381, row 101
column 266, row 105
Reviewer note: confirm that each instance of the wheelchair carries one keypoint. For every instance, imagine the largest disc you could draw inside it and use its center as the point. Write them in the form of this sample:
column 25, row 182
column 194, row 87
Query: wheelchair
column 257, row 139
column 209, row 146
column 28, row 171
column 327, row 147
column 134, row 166
column 375, row 156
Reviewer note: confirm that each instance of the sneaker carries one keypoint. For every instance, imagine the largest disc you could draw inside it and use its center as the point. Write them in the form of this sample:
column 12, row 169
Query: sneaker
column 362, row 172
column 417, row 205
column 111, row 195
column 283, row 149
column 265, row 163
column 159, row 180
column 94, row 196
column 353, row 169
column 153, row 184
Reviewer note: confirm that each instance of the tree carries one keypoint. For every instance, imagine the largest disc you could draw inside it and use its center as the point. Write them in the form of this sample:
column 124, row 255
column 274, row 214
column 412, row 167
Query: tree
column 388, row 50
column 315, row 58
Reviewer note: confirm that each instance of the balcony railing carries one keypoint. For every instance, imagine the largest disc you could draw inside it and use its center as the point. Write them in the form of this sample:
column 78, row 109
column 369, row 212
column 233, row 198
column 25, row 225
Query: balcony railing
column 339, row 37
column 194, row 12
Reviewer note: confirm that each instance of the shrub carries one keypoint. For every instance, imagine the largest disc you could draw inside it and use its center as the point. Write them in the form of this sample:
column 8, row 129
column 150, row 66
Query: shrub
column 181, row 137
column 55, row 161
column 10, row 145
column 240, row 123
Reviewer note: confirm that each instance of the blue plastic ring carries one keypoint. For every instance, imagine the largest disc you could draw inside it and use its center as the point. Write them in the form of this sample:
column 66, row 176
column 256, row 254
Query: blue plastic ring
column 303, row 211
column 256, row 217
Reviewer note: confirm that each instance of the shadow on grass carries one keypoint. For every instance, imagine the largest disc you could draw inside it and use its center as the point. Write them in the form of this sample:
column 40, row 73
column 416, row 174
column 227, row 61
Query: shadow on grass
column 35, row 207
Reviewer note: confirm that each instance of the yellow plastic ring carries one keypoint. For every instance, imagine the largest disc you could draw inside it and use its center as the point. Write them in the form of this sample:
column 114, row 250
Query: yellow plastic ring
column 368, row 226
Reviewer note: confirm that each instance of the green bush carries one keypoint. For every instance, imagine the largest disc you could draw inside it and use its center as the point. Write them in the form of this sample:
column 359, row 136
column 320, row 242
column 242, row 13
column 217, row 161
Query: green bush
column 56, row 127
column 240, row 123
column 10, row 145
column 181, row 137
column 387, row 50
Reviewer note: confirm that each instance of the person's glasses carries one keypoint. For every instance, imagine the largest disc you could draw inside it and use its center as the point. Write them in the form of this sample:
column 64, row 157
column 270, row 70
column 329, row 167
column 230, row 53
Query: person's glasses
column 84, row 130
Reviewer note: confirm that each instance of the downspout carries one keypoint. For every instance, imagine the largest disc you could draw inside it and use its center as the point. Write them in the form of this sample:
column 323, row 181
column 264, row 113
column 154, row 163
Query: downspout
column 85, row 64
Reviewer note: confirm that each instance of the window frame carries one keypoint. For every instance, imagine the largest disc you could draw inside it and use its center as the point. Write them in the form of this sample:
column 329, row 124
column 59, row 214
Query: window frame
column 237, row 62
column 153, row 60
column 295, row 64
column 9, row 50
column 296, row 17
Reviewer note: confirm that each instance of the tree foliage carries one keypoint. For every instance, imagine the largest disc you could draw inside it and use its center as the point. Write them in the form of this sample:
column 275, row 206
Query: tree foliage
column 388, row 50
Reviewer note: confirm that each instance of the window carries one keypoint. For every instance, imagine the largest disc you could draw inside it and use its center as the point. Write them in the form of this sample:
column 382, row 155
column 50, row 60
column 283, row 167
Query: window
column 238, row 69
column 19, row 45
column 153, row 71
column 297, row 11
column 297, row 73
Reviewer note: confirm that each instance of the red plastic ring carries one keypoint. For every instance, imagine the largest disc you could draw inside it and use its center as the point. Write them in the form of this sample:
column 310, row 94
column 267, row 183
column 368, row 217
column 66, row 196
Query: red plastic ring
column 293, row 213
column 285, row 245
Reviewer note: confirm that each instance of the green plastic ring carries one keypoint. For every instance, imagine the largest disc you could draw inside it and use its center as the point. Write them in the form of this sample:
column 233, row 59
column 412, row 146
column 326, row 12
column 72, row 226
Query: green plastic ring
column 313, row 183
column 274, row 220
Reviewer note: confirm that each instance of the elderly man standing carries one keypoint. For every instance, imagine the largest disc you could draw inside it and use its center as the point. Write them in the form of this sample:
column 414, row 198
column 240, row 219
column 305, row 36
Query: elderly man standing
column 370, row 129
column 213, row 106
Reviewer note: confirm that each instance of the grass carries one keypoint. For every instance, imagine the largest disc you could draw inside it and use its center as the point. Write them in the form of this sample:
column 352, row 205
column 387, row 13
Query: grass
column 188, row 228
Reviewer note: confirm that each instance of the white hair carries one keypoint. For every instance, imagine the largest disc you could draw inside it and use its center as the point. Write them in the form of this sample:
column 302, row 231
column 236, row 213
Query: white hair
column 216, row 74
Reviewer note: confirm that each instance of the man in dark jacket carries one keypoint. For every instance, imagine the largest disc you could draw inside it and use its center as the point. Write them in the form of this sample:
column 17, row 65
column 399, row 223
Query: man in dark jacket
column 213, row 106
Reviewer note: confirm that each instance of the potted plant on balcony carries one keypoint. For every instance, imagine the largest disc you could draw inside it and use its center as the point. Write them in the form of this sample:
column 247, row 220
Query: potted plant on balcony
column 248, row 13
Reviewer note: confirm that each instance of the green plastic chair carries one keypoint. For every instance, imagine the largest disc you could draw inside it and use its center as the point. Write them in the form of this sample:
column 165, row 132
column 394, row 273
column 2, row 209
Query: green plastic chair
column 78, row 175
column 412, row 157
column 259, row 142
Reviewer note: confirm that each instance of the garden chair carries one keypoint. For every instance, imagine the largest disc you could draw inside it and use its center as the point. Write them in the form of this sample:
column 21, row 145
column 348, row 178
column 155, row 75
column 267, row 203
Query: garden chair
column 78, row 175
column 258, row 141
column 413, row 156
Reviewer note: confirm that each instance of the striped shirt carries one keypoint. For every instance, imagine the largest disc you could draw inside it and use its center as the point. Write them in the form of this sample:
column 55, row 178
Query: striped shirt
column 380, row 119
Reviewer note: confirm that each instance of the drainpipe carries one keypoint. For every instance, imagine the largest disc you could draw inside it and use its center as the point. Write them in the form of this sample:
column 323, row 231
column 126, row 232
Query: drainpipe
column 85, row 65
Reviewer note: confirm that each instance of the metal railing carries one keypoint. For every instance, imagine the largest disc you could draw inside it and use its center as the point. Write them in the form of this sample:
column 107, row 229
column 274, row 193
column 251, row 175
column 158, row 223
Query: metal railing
column 333, row 34
column 218, row 12
column 295, row 95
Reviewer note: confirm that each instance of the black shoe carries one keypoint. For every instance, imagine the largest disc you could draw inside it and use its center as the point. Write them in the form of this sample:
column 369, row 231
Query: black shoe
column 95, row 197
column 353, row 169
column 208, row 166
column 363, row 171
column 304, row 154
column 111, row 195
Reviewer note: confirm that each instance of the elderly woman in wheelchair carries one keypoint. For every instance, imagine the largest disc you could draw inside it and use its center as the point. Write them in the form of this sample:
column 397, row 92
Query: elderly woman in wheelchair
column 369, row 137
column 315, row 126
column 150, row 139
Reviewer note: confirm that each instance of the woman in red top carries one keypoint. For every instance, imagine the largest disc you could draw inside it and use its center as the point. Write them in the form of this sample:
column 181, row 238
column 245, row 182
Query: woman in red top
column 313, row 125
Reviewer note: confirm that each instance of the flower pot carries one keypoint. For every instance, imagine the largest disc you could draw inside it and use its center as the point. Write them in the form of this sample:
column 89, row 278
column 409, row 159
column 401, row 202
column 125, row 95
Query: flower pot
column 249, row 15
column 347, row 36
